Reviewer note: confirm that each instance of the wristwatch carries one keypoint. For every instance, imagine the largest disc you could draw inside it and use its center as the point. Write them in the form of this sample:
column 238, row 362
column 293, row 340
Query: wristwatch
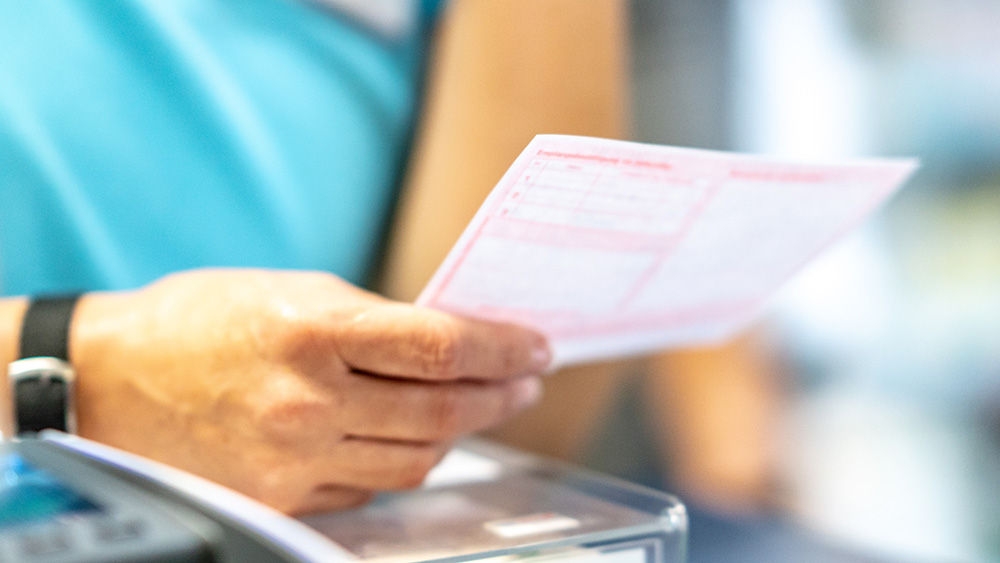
column 42, row 380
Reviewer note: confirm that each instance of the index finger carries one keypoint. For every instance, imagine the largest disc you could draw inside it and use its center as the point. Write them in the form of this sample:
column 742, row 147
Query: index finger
column 407, row 341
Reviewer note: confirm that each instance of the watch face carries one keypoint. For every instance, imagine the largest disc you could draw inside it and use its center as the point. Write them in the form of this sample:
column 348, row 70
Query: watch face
column 43, row 395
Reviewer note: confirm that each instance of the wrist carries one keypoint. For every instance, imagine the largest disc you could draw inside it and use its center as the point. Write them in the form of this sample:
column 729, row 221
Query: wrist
column 11, row 314
column 102, row 332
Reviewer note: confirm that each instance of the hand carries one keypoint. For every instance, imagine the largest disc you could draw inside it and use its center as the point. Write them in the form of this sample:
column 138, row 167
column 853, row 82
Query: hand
column 295, row 388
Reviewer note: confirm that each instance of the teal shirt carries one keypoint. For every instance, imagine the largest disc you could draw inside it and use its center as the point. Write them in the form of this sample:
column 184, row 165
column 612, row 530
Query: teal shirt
column 139, row 138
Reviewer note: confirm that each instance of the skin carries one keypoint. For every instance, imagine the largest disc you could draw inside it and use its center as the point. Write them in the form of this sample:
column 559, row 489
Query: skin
column 503, row 72
column 308, row 394
column 302, row 391
column 295, row 388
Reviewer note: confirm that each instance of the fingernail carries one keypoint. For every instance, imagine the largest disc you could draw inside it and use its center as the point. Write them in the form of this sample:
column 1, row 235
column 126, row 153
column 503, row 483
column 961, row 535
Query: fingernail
column 527, row 392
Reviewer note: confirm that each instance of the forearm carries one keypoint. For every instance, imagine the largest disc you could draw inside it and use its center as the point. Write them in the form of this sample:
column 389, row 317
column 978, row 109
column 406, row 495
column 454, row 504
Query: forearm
column 502, row 72
column 721, row 407
column 11, row 313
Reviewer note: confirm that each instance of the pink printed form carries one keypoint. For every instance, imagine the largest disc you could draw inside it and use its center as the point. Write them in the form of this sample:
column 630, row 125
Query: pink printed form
column 613, row 248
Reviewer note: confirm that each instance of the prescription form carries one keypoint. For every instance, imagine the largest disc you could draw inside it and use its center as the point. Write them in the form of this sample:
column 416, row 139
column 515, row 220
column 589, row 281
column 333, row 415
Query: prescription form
column 612, row 248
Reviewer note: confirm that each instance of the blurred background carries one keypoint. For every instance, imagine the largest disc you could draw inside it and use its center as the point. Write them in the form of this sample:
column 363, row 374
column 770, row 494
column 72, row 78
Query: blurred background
column 890, row 437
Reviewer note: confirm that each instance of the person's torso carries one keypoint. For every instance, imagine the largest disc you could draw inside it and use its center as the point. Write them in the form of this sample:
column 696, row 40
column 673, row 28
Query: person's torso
column 140, row 138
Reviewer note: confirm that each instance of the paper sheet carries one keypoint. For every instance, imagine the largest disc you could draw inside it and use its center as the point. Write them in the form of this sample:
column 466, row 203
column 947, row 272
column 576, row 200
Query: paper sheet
column 612, row 248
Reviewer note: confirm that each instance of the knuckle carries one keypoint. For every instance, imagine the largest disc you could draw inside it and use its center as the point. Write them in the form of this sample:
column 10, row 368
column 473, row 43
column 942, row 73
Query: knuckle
column 412, row 474
column 279, row 500
column 294, row 340
column 511, row 359
column 285, row 418
column 410, row 478
column 446, row 418
column 272, row 486
column 358, row 499
column 441, row 349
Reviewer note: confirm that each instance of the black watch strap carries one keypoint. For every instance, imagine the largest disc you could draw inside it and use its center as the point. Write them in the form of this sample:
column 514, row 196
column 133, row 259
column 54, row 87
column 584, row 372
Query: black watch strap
column 42, row 380
column 45, row 328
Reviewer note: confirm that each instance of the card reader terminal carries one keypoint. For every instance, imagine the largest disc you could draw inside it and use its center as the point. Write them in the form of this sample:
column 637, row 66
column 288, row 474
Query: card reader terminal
column 57, row 505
